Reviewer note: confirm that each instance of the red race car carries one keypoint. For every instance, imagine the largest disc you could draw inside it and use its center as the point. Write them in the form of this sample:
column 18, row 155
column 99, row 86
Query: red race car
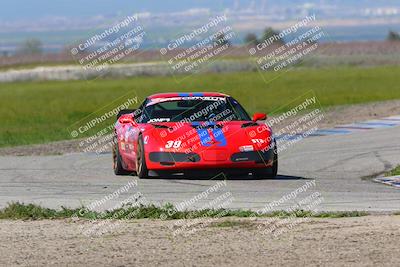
column 173, row 134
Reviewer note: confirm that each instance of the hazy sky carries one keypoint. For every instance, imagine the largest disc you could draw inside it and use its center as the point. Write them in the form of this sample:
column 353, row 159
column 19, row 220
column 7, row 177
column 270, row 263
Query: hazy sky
column 34, row 9
column 20, row 9
column 30, row 9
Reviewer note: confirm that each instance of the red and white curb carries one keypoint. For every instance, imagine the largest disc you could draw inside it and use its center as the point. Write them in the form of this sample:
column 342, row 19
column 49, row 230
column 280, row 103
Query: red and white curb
column 393, row 180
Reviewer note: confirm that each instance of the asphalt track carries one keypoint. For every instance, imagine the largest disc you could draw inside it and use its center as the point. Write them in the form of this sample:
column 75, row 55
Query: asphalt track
column 341, row 166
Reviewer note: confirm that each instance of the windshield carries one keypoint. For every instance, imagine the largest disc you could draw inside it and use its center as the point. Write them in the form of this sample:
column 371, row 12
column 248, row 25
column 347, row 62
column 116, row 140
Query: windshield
column 191, row 109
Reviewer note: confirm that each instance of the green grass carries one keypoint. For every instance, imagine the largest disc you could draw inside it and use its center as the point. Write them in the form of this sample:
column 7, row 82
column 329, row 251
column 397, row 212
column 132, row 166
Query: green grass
column 394, row 172
column 341, row 214
column 34, row 212
column 230, row 223
column 39, row 112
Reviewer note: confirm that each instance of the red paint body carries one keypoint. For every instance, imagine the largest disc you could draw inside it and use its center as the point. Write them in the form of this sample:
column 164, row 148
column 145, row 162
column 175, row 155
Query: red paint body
column 184, row 138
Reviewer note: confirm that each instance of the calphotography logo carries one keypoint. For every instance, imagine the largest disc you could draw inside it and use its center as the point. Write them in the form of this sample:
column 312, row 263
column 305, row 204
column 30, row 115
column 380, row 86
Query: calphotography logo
column 104, row 222
column 191, row 52
column 208, row 209
column 281, row 50
column 293, row 122
column 96, row 131
column 110, row 46
column 296, row 207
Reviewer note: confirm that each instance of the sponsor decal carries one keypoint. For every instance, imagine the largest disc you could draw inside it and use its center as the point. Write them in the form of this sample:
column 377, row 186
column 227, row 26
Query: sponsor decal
column 173, row 144
column 185, row 97
column 258, row 141
column 160, row 120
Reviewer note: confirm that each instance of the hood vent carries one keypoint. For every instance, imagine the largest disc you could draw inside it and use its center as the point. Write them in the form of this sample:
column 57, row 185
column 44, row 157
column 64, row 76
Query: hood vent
column 207, row 126
column 158, row 126
column 249, row 124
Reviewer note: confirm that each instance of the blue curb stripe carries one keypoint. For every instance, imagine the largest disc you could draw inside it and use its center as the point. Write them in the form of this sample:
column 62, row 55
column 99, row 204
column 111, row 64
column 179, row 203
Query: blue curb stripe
column 354, row 127
column 394, row 120
column 334, row 131
column 378, row 124
column 393, row 181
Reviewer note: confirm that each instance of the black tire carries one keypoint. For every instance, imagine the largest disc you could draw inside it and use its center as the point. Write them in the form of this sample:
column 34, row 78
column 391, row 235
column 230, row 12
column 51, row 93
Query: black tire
column 268, row 173
column 275, row 164
column 117, row 162
column 142, row 171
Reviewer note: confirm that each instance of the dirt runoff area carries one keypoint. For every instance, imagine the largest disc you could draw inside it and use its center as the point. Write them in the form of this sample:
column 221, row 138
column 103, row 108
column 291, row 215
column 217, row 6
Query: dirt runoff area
column 334, row 116
column 360, row 241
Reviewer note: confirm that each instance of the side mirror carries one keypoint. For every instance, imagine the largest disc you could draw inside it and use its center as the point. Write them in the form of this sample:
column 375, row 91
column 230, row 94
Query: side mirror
column 259, row 116
column 126, row 119
column 125, row 111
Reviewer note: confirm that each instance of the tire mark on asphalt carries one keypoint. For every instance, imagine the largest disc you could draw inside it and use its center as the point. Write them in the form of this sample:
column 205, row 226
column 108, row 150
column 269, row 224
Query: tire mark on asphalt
column 339, row 162
column 386, row 164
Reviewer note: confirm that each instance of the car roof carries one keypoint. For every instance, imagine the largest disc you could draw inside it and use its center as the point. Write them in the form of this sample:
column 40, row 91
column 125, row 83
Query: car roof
column 199, row 94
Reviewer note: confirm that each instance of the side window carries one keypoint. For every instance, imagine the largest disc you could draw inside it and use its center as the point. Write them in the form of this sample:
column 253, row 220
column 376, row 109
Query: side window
column 238, row 110
column 140, row 112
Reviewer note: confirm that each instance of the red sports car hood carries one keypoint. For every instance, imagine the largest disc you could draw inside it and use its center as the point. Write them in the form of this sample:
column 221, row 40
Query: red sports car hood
column 233, row 136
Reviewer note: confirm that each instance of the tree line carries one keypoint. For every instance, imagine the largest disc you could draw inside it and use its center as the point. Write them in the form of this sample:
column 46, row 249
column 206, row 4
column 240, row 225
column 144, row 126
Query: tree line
column 251, row 38
column 35, row 46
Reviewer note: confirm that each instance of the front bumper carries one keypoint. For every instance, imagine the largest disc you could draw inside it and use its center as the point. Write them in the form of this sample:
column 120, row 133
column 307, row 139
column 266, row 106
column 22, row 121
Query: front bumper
column 209, row 160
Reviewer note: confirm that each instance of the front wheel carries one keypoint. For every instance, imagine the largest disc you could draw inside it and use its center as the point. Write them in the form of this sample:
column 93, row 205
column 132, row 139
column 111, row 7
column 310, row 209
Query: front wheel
column 141, row 166
column 117, row 162
column 268, row 172
column 275, row 164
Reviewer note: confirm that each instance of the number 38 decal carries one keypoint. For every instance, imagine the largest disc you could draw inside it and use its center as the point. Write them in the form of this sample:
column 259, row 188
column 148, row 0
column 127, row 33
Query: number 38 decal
column 173, row 144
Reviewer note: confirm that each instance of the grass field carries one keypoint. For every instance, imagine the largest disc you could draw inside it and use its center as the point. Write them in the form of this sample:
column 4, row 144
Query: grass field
column 39, row 112
column 394, row 172
column 167, row 212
